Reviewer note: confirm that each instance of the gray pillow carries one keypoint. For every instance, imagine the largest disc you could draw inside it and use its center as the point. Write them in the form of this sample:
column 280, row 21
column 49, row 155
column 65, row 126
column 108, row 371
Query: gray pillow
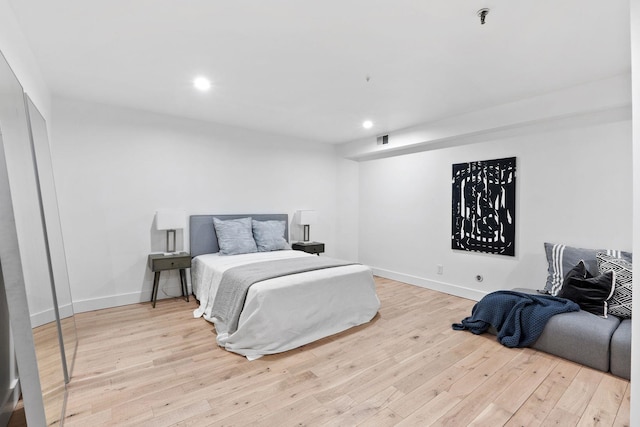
column 620, row 304
column 269, row 235
column 235, row 236
column 562, row 259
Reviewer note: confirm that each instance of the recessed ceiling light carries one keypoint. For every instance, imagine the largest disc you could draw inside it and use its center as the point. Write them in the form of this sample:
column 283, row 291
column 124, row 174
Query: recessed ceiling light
column 202, row 83
column 367, row 124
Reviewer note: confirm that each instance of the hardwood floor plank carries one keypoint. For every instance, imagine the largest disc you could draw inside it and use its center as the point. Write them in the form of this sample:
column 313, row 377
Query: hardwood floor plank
column 251, row 415
column 604, row 405
column 329, row 410
column 297, row 413
column 383, row 418
column 624, row 411
column 170, row 416
column 87, row 418
column 477, row 389
column 139, row 366
column 360, row 412
column 535, row 369
column 579, row 393
column 433, row 410
column 496, row 366
column 442, row 381
column 539, row 404
column 493, row 415
column 561, row 417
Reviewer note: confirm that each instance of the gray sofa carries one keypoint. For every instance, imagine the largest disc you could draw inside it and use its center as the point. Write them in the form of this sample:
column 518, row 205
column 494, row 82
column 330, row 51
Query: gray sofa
column 582, row 337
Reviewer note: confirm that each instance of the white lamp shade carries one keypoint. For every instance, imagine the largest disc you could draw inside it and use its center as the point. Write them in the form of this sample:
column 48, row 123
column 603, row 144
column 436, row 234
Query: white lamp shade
column 170, row 219
column 307, row 217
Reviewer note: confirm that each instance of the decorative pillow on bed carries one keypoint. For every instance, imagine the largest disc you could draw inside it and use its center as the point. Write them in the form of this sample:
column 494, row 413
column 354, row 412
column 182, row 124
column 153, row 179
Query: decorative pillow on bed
column 620, row 304
column 562, row 258
column 235, row 236
column 269, row 235
column 591, row 294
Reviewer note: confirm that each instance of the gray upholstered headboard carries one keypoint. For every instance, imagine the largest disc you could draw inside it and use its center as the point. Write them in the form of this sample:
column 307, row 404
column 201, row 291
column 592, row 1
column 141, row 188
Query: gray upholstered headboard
column 202, row 235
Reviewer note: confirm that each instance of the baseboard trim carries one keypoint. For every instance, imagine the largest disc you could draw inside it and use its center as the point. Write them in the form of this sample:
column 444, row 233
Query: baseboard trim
column 48, row 316
column 459, row 291
column 42, row 318
column 170, row 291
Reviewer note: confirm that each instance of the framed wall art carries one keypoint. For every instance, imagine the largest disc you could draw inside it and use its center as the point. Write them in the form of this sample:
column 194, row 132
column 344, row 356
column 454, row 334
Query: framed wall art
column 484, row 206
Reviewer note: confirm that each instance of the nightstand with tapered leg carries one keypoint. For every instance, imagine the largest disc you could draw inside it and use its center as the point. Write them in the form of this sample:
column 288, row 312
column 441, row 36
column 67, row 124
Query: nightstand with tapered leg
column 175, row 261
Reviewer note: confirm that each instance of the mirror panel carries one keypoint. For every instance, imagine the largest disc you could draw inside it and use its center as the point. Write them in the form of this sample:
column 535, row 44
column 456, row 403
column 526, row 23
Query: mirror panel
column 53, row 228
column 52, row 381
column 23, row 262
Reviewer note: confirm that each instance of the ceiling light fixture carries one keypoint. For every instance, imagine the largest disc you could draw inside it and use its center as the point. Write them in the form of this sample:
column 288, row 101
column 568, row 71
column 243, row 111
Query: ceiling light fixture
column 202, row 83
column 482, row 13
column 367, row 124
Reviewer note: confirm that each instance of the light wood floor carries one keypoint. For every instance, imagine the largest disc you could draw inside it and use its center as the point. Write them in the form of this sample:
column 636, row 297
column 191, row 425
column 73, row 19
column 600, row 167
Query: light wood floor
column 141, row 366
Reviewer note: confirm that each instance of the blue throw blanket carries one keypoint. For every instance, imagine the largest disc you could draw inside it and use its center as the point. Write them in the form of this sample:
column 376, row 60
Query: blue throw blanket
column 519, row 318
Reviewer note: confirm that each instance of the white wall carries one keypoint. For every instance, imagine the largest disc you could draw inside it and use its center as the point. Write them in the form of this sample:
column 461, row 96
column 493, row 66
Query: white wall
column 573, row 187
column 115, row 167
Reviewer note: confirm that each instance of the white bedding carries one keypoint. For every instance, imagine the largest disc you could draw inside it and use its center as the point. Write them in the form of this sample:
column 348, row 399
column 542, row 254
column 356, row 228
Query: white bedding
column 286, row 312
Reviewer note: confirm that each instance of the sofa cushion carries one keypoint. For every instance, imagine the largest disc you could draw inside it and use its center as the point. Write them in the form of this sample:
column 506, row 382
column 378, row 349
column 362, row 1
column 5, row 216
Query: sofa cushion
column 621, row 350
column 579, row 336
column 582, row 337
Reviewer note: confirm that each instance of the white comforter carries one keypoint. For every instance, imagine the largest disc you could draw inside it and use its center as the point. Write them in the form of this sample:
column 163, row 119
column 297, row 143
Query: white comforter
column 286, row 312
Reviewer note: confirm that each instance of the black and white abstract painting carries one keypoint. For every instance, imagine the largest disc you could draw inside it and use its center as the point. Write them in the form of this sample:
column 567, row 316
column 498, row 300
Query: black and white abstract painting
column 484, row 206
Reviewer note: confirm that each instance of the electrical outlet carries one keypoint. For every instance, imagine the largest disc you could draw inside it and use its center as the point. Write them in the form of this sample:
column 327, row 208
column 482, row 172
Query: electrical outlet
column 440, row 268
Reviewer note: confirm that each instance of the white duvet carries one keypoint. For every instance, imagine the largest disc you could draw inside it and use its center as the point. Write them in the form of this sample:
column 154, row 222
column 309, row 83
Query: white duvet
column 286, row 312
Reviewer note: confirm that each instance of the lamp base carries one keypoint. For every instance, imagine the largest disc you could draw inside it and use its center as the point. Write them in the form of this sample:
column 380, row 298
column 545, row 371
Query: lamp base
column 174, row 241
column 305, row 236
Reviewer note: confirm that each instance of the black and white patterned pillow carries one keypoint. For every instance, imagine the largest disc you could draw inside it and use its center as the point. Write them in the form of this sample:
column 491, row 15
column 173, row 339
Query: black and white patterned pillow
column 620, row 303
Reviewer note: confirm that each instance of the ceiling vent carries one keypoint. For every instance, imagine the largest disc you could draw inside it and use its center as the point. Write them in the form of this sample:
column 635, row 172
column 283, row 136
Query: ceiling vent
column 383, row 140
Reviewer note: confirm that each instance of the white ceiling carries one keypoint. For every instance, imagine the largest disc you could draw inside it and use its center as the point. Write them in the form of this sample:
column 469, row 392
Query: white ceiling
column 299, row 67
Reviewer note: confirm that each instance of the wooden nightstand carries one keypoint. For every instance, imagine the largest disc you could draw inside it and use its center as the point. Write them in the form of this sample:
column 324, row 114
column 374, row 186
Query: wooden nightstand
column 161, row 262
column 309, row 247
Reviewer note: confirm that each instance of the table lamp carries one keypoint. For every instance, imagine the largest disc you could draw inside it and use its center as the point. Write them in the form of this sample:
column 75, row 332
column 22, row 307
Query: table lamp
column 170, row 220
column 306, row 218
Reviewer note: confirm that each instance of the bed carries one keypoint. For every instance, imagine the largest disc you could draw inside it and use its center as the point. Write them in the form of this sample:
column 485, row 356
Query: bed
column 280, row 313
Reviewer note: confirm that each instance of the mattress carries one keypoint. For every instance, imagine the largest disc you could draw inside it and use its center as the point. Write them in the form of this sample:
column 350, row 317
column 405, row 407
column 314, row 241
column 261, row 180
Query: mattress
column 286, row 312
